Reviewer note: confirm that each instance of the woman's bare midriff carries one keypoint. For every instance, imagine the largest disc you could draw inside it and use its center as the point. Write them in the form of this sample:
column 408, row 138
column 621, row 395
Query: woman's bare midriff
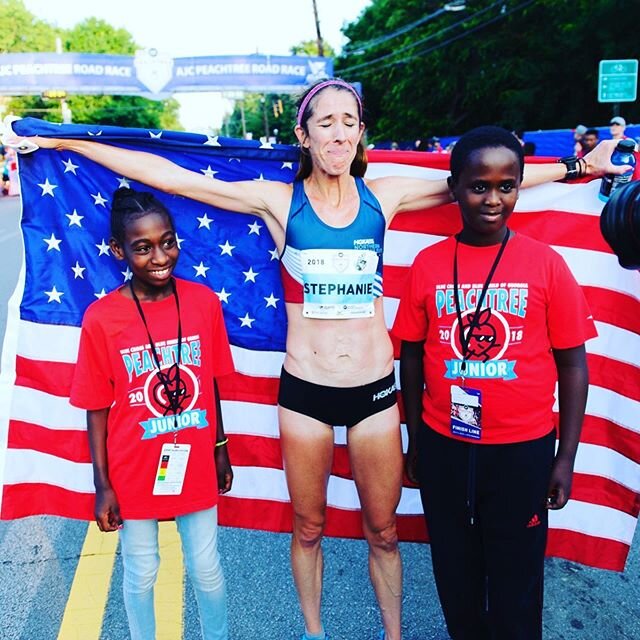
column 339, row 353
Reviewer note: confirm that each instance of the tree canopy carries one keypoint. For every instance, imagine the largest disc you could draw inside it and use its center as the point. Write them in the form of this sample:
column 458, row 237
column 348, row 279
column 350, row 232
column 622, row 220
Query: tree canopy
column 21, row 32
column 524, row 64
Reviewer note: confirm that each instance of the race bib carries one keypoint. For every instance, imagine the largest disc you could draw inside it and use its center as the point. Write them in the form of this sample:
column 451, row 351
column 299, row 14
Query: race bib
column 338, row 283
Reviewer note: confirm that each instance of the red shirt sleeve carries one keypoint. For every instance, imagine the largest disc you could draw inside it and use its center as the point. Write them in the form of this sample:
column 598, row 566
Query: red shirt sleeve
column 411, row 323
column 92, row 385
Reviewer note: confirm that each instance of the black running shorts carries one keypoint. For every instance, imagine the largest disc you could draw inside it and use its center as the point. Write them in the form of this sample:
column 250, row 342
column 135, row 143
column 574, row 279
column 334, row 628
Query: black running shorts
column 336, row 406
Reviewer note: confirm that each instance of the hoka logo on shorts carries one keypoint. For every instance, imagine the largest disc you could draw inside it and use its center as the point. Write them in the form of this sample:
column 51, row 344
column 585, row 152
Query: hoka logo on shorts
column 384, row 393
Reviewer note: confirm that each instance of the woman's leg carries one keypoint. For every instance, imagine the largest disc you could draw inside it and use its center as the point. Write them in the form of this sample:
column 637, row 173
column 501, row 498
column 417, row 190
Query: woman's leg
column 375, row 453
column 140, row 559
column 199, row 538
column 307, row 451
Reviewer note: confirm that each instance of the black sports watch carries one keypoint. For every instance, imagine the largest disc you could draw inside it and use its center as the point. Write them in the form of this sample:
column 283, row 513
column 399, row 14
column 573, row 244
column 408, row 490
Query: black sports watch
column 573, row 170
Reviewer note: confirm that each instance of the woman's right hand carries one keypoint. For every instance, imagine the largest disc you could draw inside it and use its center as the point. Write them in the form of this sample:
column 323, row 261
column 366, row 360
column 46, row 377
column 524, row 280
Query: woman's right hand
column 25, row 145
column 107, row 510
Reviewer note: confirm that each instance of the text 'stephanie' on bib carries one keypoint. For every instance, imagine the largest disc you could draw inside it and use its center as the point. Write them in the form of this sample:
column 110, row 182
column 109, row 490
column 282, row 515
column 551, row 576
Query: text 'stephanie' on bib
column 338, row 283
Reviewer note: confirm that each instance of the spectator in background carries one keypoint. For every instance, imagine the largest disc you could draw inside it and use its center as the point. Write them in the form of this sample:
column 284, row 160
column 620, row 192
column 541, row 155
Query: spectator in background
column 394, row 146
column 4, row 173
column 589, row 140
column 9, row 169
column 617, row 125
column 436, row 145
column 578, row 132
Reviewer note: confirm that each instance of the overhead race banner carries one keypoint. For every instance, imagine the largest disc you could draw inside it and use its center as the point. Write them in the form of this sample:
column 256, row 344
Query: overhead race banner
column 153, row 74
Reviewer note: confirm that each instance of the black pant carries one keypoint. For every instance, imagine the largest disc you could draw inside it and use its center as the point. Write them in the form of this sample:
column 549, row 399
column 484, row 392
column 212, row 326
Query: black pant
column 489, row 574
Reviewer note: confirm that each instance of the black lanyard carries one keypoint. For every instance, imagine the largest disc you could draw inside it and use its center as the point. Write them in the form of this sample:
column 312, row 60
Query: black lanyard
column 464, row 340
column 170, row 379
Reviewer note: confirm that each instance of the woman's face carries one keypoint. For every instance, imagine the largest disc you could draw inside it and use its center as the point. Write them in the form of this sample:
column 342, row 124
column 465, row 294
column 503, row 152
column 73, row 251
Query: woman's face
column 334, row 130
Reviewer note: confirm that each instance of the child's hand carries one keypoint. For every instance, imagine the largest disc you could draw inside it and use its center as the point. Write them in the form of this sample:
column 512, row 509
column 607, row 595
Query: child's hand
column 223, row 469
column 107, row 510
column 560, row 483
column 411, row 464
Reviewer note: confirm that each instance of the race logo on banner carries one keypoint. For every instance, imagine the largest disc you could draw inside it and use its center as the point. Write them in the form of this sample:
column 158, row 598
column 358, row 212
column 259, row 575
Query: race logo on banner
column 317, row 71
column 153, row 69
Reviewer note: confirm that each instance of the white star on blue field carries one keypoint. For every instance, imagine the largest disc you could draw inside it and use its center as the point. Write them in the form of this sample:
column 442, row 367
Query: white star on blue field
column 66, row 223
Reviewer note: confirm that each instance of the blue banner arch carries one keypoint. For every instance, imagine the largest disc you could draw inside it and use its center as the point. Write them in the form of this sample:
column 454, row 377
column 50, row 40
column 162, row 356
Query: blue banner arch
column 154, row 75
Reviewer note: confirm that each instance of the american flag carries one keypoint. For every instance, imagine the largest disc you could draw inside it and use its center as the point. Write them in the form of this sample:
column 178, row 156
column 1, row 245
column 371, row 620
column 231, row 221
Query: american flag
column 44, row 459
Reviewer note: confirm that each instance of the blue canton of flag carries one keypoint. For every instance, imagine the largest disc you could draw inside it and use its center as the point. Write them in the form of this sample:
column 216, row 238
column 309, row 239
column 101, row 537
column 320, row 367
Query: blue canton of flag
column 66, row 227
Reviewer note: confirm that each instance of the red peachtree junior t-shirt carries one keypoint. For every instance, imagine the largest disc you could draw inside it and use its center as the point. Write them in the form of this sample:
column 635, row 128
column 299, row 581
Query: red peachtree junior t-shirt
column 533, row 305
column 116, row 369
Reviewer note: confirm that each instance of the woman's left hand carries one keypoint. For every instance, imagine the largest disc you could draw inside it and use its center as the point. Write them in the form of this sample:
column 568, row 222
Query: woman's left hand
column 223, row 469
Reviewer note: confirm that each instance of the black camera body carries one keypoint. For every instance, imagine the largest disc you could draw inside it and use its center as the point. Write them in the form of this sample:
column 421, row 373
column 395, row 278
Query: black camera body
column 620, row 224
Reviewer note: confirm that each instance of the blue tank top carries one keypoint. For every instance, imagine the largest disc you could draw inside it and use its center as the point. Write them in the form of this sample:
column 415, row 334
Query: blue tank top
column 335, row 272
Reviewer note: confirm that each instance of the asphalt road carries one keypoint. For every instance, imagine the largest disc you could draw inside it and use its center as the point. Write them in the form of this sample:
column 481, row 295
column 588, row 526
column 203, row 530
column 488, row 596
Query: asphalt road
column 39, row 556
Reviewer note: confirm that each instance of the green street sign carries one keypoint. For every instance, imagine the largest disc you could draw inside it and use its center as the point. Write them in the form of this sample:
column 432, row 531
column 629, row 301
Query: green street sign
column 618, row 81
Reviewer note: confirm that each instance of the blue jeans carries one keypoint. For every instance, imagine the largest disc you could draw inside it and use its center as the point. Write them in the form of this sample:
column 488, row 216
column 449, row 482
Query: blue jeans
column 140, row 558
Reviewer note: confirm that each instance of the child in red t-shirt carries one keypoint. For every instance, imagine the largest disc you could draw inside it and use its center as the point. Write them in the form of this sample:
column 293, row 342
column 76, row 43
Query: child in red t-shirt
column 489, row 321
column 149, row 355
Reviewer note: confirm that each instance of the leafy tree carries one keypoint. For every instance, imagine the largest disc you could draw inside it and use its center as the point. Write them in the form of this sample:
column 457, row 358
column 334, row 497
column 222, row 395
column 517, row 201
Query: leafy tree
column 519, row 63
column 21, row 32
column 97, row 36
column 258, row 107
column 310, row 48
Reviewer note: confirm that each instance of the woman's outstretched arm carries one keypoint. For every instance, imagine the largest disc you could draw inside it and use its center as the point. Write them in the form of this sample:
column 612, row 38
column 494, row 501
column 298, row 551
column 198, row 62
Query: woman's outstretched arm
column 262, row 198
column 596, row 164
column 397, row 194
